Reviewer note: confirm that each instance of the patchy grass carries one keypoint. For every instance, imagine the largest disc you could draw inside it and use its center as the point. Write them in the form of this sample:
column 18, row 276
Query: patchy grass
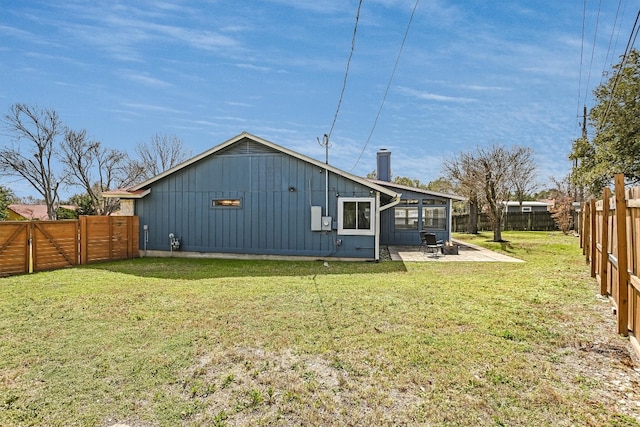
column 163, row 342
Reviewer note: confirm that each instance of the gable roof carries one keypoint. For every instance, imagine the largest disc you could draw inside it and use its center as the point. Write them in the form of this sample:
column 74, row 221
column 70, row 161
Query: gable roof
column 268, row 145
column 417, row 190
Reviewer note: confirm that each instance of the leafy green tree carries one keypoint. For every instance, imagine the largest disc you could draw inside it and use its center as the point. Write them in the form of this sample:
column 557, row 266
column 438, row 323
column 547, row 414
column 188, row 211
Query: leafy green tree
column 84, row 202
column 441, row 185
column 7, row 197
column 615, row 146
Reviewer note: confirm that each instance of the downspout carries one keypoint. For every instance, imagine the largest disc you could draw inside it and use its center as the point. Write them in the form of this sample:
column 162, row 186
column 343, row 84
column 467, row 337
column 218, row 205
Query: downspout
column 377, row 235
column 450, row 214
column 379, row 209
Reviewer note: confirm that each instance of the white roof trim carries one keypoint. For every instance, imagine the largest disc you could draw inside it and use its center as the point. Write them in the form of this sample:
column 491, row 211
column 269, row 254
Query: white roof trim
column 126, row 194
column 418, row 190
column 277, row 147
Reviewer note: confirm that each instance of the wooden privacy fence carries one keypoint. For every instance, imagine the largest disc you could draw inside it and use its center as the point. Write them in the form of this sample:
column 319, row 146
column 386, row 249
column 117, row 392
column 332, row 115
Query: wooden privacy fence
column 610, row 240
column 27, row 246
column 512, row 221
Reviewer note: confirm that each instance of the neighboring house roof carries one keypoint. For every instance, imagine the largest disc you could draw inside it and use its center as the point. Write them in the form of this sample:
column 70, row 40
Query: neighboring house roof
column 38, row 212
column 134, row 192
column 416, row 189
column 528, row 203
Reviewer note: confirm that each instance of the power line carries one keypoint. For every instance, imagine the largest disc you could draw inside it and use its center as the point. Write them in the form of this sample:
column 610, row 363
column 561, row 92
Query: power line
column 625, row 56
column 386, row 92
column 584, row 16
column 346, row 74
column 593, row 51
column 613, row 29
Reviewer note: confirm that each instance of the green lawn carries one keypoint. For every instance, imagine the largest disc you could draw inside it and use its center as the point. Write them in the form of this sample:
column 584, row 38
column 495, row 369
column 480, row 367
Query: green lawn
column 174, row 341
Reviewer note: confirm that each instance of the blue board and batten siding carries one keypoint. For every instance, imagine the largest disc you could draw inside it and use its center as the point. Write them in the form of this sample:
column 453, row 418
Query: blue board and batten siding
column 276, row 192
column 392, row 235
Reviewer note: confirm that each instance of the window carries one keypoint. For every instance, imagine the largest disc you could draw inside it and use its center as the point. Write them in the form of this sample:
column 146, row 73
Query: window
column 434, row 218
column 226, row 203
column 406, row 215
column 434, row 202
column 356, row 215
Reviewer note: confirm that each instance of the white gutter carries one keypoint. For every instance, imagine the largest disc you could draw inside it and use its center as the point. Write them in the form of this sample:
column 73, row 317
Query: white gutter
column 393, row 203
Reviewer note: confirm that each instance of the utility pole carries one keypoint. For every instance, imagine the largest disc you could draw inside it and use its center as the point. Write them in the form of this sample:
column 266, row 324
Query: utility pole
column 585, row 138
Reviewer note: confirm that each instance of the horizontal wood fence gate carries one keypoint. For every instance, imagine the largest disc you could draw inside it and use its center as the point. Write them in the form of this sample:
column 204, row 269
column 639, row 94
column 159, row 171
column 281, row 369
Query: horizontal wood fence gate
column 28, row 246
column 610, row 240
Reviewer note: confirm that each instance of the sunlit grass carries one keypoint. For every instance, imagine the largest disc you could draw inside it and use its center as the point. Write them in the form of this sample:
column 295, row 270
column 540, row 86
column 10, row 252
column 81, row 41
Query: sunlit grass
column 221, row 342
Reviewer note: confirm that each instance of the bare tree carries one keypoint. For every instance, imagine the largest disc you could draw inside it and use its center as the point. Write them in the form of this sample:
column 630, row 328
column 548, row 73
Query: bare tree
column 35, row 160
column 495, row 171
column 94, row 168
column 462, row 173
column 161, row 153
column 523, row 172
column 489, row 176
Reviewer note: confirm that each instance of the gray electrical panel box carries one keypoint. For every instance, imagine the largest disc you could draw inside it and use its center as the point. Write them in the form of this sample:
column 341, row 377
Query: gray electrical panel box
column 326, row 223
column 316, row 218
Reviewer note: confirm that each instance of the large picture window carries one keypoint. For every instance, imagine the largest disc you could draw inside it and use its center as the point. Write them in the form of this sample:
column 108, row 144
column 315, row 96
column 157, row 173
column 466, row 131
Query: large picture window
column 356, row 215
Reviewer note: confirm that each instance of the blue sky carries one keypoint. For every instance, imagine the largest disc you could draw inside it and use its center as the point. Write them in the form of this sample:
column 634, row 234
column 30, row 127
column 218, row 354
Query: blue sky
column 472, row 73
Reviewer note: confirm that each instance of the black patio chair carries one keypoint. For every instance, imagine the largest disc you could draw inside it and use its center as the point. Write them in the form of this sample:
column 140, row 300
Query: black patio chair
column 432, row 244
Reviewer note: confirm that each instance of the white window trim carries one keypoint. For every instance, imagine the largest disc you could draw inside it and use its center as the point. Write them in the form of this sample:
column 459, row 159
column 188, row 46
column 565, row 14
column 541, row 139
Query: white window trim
column 371, row 231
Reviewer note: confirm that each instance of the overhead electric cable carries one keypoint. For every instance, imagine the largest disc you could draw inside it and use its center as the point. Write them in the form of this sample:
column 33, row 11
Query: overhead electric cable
column 386, row 92
column 593, row 51
column 584, row 16
column 346, row 74
column 613, row 30
column 627, row 50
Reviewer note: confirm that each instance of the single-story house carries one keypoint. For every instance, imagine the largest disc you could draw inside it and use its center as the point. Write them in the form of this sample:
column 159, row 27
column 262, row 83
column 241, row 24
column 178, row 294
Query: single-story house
column 249, row 196
column 527, row 206
column 26, row 212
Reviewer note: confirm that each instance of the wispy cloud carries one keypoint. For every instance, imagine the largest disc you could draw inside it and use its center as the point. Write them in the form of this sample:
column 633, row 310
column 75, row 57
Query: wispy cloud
column 151, row 107
column 123, row 31
column 428, row 96
column 144, row 79
column 253, row 67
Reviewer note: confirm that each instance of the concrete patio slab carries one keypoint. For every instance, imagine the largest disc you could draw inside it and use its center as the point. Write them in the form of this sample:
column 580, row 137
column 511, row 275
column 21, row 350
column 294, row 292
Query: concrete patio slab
column 466, row 252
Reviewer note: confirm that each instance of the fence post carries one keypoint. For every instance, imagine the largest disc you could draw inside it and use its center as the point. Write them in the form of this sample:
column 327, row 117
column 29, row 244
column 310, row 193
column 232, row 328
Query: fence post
column 593, row 247
column 84, row 240
column 623, row 274
column 604, row 253
column 581, row 226
column 587, row 238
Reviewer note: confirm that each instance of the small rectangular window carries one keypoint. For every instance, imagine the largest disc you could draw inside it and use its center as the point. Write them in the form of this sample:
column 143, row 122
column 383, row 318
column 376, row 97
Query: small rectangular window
column 225, row 203
column 356, row 216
